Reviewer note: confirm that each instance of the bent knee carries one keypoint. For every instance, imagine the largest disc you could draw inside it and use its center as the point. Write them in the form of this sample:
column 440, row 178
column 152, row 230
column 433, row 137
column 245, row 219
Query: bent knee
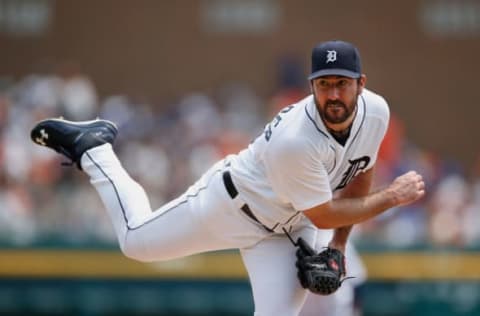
column 136, row 251
column 136, row 254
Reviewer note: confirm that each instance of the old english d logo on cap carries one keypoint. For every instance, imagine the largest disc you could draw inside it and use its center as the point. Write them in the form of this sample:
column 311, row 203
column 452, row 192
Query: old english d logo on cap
column 335, row 58
column 331, row 56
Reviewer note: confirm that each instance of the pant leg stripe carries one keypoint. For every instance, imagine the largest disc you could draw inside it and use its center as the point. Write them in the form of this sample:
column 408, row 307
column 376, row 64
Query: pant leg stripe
column 121, row 204
column 114, row 188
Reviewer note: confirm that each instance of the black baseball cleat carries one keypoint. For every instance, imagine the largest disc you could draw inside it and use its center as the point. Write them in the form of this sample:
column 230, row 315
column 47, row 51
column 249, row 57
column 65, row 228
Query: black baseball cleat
column 72, row 139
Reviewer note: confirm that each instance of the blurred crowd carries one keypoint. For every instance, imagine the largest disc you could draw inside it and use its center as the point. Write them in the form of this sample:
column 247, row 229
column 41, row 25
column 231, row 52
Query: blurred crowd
column 166, row 147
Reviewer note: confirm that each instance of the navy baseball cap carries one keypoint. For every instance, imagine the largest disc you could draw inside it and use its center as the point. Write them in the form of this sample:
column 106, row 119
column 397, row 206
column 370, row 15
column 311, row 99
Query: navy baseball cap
column 335, row 58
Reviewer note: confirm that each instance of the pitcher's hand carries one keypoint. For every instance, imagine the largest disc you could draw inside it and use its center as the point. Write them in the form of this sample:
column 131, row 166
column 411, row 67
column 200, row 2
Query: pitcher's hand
column 407, row 188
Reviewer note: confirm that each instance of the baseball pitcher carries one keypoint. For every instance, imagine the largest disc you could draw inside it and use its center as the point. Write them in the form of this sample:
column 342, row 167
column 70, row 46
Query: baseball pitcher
column 269, row 199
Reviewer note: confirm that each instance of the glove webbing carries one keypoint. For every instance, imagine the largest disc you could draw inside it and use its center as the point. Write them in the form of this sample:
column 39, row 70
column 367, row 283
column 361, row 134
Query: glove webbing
column 296, row 245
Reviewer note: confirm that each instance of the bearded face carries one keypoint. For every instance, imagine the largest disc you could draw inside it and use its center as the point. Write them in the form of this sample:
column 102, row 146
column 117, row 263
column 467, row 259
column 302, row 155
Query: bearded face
column 335, row 111
column 336, row 98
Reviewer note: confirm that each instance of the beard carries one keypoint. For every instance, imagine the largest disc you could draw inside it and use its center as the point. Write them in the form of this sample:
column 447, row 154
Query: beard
column 335, row 112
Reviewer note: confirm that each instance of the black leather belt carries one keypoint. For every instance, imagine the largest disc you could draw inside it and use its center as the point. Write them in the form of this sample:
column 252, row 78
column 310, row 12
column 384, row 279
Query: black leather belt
column 232, row 191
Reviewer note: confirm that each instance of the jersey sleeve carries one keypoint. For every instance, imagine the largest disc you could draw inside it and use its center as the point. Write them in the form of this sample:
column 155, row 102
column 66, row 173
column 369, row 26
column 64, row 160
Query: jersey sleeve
column 297, row 174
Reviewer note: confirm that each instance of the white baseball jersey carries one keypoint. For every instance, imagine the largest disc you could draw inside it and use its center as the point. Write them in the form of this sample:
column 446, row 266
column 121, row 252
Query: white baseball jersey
column 296, row 164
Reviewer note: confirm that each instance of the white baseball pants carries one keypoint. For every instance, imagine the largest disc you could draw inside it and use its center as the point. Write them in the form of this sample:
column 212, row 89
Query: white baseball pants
column 204, row 218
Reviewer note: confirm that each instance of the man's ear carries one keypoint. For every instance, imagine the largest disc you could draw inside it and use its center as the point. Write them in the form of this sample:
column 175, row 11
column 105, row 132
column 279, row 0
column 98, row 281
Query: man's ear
column 362, row 81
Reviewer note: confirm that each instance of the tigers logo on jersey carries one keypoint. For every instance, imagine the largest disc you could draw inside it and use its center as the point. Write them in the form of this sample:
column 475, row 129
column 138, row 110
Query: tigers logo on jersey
column 356, row 165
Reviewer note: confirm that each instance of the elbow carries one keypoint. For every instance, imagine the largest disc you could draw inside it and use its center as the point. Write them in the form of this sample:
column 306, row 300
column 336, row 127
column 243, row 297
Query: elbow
column 325, row 218
column 326, row 224
column 322, row 221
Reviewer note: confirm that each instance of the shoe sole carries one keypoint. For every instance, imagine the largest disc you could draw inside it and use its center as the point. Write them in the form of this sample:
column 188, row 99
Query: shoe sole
column 92, row 123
